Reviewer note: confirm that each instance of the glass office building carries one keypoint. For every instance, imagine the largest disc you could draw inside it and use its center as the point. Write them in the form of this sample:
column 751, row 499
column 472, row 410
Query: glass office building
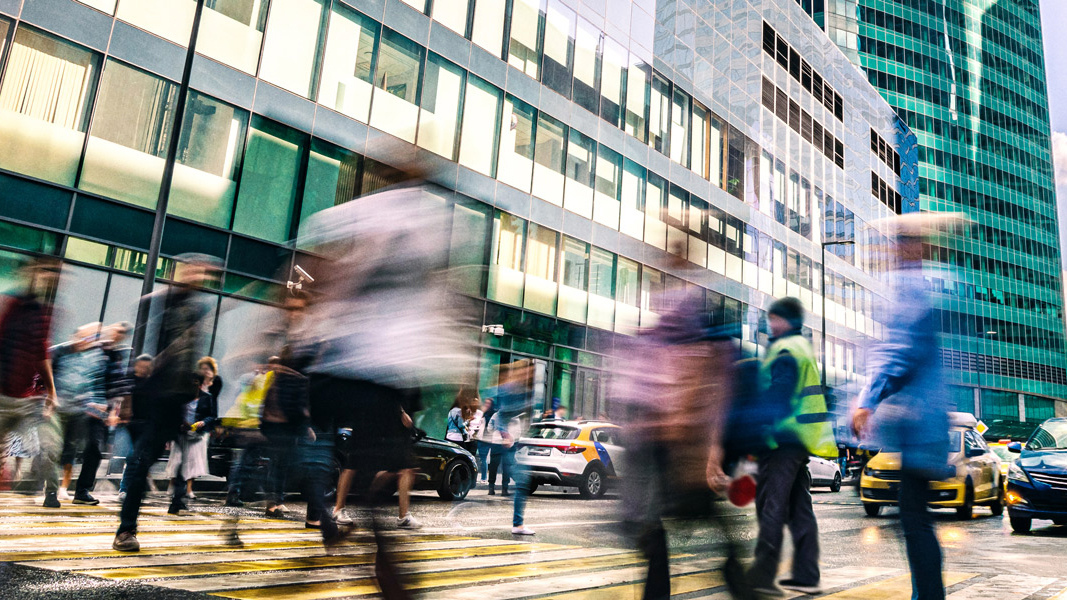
column 969, row 77
column 582, row 147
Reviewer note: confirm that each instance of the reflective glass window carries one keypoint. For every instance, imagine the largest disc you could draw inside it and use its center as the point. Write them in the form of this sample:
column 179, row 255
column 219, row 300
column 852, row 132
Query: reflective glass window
column 442, row 86
column 481, row 113
column 451, row 14
column 488, row 28
column 677, row 211
column 269, row 181
column 332, row 178
column 659, row 114
column 516, row 163
column 419, row 5
column 652, row 288
column 505, row 260
column 346, row 80
column 393, row 109
column 608, row 187
column 716, row 139
column 170, row 19
column 549, row 160
column 573, row 298
column 698, row 235
column 541, row 248
column 292, row 43
column 231, row 32
column 601, row 288
column 128, row 140
column 44, row 106
column 560, row 23
column 655, row 211
column 612, row 82
column 632, row 214
column 524, row 51
column 107, row 6
column 211, row 142
column 466, row 254
column 700, row 140
column 5, row 27
column 581, row 152
column 637, row 97
column 586, row 56
column 680, row 128
column 766, row 195
column 627, row 295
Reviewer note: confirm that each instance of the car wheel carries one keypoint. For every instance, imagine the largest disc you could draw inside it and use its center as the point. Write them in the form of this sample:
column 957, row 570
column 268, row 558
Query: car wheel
column 872, row 510
column 835, row 486
column 456, row 481
column 966, row 512
column 1020, row 525
column 997, row 507
column 593, row 484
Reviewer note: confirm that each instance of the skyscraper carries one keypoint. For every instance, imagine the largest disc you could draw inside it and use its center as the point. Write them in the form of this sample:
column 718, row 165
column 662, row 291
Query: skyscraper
column 968, row 76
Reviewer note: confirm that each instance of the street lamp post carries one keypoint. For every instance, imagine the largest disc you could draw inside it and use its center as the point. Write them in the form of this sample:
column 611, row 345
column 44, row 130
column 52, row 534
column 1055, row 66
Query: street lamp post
column 823, row 290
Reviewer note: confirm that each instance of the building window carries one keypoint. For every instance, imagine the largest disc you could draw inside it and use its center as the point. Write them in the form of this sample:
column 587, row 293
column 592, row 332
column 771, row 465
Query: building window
column 332, row 178
column 573, row 298
column 549, row 160
column 559, row 48
column 608, row 189
column 516, row 163
column 292, row 44
column 680, row 128
column 586, row 56
column 231, row 32
column 452, row 14
column 44, row 106
column 269, row 179
column 655, row 211
column 652, row 288
column 466, row 254
column 716, row 155
column 632, row 215
column 627, row 295
column 601, row 289
column 128, row 140
column 170, row 19
column 701, row 120
column 488, row 28
column 209, row 147
column 442, row 87
column 581, row 151
column 524, row 51
column 107, row 6
column 612, row 82
column 393, row 109
column 346, row 80
column 481, row 113
column 659, row 114
column 637, row 98
column 541, row 248
column 505, row 261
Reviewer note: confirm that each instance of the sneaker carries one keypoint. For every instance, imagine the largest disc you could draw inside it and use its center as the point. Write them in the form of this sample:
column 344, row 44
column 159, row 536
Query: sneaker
column 126, row 542
column 804, row 588
column 234, row 501
column 176, row 508
column 190, row 496
column 408, row 522
column 341, row 517
column 62, row 494
column 50, row 501
column 276, row 512
column 768, row 591
column 522, row 530
column 122, row 497
column 492, row 491
column 85, row 498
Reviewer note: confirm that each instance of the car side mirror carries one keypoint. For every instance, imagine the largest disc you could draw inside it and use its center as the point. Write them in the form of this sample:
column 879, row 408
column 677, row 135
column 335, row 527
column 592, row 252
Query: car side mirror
column 1015, row 447
column 974, row 452
column 417, row 433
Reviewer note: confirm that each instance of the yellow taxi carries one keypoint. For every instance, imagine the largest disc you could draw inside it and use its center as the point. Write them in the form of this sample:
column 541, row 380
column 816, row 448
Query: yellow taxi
column 582, row 454
column 978, row 478
column 1006, row 458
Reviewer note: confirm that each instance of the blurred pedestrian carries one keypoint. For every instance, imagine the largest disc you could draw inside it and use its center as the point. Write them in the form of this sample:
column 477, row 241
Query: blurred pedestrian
column 179, row 330
column 460, row 418
column 188, row 451
column 134, row 415
column 242, row 424
column 793, row 392
column 484, row 439
column 515, row 401
column 283, row 424
column 494, row 439
column 904, row 407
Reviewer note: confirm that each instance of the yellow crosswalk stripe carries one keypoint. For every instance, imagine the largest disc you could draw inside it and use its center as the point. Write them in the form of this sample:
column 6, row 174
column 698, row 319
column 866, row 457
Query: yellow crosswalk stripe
column 894, row 588
column 680, row 584
column 309, row 562
column 151, row 529
column 365, row 586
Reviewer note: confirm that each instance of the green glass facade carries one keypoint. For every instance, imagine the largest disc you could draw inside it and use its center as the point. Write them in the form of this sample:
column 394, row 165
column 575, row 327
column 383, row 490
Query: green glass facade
column 968, row 76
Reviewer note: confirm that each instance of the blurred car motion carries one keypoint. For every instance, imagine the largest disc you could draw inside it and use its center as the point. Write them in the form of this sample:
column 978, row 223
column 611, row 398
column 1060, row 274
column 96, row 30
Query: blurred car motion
column 1037, row 480
column 977, row 481
column 1006, row 458
column 824, row 473
column 582, row 454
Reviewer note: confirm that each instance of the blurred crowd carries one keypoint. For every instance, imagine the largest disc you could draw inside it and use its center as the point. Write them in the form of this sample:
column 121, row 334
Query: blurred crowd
column 330, row 392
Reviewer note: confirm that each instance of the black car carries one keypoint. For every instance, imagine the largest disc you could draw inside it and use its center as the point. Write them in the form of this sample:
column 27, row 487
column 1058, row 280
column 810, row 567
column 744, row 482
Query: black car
column 441, row 466
column 1037, row 481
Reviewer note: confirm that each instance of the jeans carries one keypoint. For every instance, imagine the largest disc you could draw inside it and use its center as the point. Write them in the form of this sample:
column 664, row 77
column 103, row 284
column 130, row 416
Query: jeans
column 135, row 429
column 95, row 437
column 483, row 459
column 497, row 462
column 147, row 450
column 317, row 459
column 521, row 476
column 783, row 499
column 920, row 541
column 282, row 450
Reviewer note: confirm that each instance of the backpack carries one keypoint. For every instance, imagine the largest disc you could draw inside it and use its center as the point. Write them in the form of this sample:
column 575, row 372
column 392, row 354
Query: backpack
column 750, row 421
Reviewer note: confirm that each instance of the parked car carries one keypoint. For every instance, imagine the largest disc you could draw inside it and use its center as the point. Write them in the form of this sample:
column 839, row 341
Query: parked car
column 1037, row 480
column 582, row 454
column 824, row 473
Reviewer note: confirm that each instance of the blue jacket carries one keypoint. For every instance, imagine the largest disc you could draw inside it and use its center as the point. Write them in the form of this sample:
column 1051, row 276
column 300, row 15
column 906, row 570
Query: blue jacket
column 906, row 390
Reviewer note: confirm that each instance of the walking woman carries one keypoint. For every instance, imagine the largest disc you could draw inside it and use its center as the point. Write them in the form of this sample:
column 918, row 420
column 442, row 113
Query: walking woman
column 188, row 454
column 484, row 440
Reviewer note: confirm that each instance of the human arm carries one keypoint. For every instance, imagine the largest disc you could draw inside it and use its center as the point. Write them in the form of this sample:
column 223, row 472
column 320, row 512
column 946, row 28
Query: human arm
column 47, row 379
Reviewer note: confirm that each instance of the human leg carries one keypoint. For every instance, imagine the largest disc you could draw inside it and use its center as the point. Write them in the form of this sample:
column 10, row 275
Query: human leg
column 147, row 450
column 495, row 458
column 522, row 487
column 95, row 439
column 803, row 528
column 920, row 540
column 774, row 480
column 483, row 458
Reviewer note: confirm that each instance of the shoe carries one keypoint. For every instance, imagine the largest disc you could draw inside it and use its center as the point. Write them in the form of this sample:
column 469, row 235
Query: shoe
column 122, row 497
column 62, row 494
column 312, row 525
column 492, row 491
column 126, row 542
column 804, row 588
column 408, row 522
column 190, row 496
column 505, row 493
column 50, row 501
column 342, row 534
column 768, row 591
column 234, row 501
column 176, row 508
column 276, row 512
column 341, row 517
column 522, row 530
column 85, row 498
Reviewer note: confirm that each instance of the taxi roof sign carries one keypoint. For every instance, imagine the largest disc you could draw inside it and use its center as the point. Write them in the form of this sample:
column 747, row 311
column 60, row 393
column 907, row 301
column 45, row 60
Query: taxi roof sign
column 981, row 428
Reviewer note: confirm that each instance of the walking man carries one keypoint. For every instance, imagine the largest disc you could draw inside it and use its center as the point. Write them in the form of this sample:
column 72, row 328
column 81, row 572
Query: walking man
column 790, row 379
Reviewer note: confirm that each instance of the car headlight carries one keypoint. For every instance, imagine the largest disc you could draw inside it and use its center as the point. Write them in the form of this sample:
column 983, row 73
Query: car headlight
column 1016, row 473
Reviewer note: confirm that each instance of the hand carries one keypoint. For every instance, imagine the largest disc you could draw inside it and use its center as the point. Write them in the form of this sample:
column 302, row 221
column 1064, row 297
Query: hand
column 718, row 481
column 405, row 418
column 508, row 440
column 112, row 420
column 311, row 435
column 49, row 407
column 197, row 426
column 860, row 418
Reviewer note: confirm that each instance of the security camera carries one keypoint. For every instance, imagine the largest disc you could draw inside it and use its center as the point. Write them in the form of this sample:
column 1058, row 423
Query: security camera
column 302, row 276
column 497, row 330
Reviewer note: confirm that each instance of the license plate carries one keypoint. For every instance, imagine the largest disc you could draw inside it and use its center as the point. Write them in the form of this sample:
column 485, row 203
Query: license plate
column 534, row 451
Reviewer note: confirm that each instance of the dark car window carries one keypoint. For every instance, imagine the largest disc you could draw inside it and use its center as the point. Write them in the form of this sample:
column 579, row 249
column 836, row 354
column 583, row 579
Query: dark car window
column 1051, row 435
column 604, row 436
column 553, row 432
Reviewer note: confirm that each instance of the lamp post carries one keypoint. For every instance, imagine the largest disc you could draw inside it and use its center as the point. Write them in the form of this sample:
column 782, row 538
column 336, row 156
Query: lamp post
column 823, row 290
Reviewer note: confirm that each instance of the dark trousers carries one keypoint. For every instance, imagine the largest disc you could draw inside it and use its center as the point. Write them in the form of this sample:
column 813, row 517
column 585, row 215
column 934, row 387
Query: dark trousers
column 783, row 499
column 136, row 430
column 317, row 459
column 147, row 450
column 496, row 458
column 483, row 459
column 95, row 432
column 920, row 541
column 282, row 450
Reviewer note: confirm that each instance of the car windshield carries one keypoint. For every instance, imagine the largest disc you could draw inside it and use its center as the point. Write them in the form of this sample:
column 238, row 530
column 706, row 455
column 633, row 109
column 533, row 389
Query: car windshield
column 954, row 438
column 1051, row 435
column 1003, row 453
column 552, row 432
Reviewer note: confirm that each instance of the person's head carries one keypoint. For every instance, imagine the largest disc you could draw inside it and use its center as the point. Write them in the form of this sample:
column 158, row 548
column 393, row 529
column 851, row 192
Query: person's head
column 142, row 366
column 195, row 270
column 466, row 399
column 487, row 405
column 39, row 275
column 785, row 315
column 85, row 336
column 208, row 368
column 116, row 333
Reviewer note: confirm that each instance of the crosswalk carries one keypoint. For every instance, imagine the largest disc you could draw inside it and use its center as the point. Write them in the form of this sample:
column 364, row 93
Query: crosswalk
column 282, row 560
